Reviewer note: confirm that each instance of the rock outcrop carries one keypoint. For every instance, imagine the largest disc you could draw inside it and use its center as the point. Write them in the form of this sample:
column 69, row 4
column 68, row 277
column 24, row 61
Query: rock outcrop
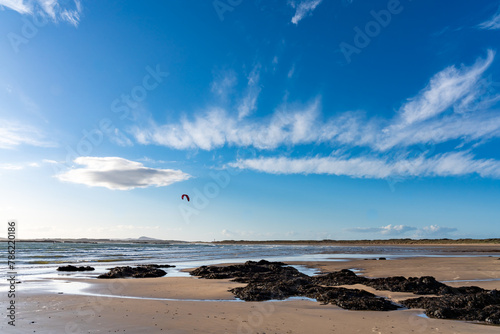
column 469, row 305
column 74, row 268
column 275, row 280
column 137, row 272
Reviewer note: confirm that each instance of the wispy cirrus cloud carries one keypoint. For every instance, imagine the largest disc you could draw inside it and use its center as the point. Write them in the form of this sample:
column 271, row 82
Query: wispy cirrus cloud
column 446, row 89
column 18, row 166
column 249, row 101
column 224, row 83
column 458, row 104
column 121, row 174
column 17, row 5
column 224, row 86
column 56, row 10
column 492, row 23
column 14, row 134
column 424, row 118
column 216, row 128
column 448, row 164
column 303, row 8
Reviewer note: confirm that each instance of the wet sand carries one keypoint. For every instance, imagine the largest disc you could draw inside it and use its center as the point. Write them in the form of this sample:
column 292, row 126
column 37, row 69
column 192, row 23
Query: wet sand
column 191, row 305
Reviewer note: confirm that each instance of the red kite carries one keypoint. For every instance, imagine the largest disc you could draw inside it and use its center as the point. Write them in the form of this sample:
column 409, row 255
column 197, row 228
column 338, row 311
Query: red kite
column 185, row 196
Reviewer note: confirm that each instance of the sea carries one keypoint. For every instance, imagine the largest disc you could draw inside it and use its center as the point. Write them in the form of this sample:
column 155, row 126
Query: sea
column 35, row 265
column 41, row 259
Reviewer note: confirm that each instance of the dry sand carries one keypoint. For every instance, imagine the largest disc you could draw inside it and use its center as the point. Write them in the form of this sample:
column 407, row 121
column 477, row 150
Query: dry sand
column 194, row 310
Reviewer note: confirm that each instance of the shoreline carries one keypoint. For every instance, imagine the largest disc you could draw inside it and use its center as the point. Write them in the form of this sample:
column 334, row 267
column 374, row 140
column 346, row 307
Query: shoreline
column 375, row 242
column 52, row 311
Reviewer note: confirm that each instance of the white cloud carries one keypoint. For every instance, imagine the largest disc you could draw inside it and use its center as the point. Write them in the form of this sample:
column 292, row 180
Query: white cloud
column 249, row 234
column 14, row 134
column 444, row 90
column 18, row 166
column 385, row 230
column 56, row 10
column 249, row 102
column 303, row 8
column 411, row 231
column 493, row 23
column 291, row 72
column 458, row 104
column 426, row 118
column 119, row 173
column 448, row 164
column 17, row 5
column 216, row 128
column 11, row 167
column 224, row 83
column 119, row 138
column 434, row 230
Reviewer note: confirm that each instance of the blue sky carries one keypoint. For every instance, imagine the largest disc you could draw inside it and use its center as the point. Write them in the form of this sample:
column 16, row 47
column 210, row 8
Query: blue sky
column 304, row 119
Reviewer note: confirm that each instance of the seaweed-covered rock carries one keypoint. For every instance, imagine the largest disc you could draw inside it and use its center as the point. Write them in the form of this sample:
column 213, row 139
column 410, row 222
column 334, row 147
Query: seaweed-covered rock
column 343, row 277
column 74, row 268
column 157, row 265
column 137, row 272
column 273, row 289
column 274, row 280
column 351, row 299
column 250, row 271
column 426, row 285
column 473, row 306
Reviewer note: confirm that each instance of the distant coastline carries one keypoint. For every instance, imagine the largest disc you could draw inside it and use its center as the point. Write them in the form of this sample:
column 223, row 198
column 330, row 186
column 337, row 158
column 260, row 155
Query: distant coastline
column 145, row 240
column 407, row 241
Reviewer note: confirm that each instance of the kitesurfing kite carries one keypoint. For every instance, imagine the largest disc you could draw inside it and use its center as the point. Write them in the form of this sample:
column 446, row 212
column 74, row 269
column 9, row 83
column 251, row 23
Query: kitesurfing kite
column 187, row 197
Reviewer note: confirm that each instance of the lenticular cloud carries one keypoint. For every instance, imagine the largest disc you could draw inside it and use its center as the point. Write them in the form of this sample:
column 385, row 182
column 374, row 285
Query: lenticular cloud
column 119, row 173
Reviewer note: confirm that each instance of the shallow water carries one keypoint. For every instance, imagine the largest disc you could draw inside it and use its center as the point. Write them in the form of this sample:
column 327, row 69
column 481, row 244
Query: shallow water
column 36, row 262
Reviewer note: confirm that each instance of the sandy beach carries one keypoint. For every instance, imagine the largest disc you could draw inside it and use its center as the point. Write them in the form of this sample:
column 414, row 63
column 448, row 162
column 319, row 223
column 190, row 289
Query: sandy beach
column 193, row 305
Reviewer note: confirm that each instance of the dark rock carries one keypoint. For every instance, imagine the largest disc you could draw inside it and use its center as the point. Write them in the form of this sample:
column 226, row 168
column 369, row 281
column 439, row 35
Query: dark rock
column 274, row 280
column 343, row 277
column 250, row 271
column 425, row 285
column 280, row 289
column 473, row 306
column 351, row 299
column 382, row 258
column 157, row 265
column 137, row 272
column 73, row 268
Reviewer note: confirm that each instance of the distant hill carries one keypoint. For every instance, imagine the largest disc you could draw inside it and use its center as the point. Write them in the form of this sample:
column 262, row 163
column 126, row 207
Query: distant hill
column 143, row 238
